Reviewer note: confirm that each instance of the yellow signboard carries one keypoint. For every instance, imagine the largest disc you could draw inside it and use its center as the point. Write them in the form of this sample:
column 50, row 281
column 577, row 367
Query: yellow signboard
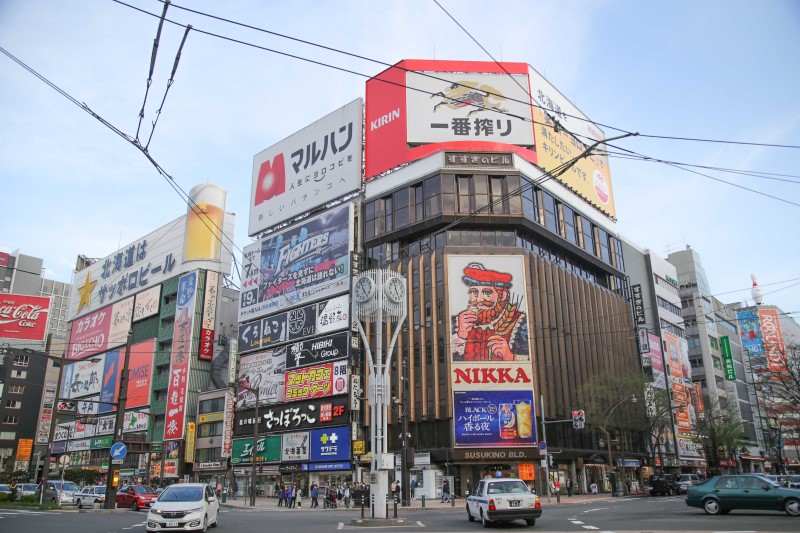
column 191, row 428
column 211, row 417
column 359, row 447
column 589, row 177
column 24, row 448
column 527, row 471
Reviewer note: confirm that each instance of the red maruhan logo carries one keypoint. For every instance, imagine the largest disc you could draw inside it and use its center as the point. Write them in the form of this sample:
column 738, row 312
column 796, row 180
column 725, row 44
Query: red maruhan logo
column 271, row 180
column 473, row 94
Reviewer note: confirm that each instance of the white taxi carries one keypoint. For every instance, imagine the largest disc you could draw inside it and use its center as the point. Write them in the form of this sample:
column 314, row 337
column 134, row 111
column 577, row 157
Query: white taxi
column 503, row 500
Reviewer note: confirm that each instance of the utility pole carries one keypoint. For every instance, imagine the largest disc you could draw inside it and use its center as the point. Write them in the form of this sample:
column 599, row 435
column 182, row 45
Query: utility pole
column 119, row 424
column 404, row 439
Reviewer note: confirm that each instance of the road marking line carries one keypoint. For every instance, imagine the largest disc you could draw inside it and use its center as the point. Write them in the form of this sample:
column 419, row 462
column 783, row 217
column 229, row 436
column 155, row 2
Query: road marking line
column 577, row 522
column 420, row 524
column 341, row 525
column 590, row 527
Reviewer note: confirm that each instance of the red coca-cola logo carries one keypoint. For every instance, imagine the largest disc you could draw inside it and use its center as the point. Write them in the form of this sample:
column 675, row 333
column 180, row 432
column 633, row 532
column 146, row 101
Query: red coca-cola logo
column 26, row 314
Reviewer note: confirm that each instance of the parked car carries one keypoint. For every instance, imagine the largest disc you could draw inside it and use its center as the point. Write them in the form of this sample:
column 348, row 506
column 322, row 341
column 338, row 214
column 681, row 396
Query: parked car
column 794, row 482
column 5, row 490
column 90, row 495
column 664, row 484
column 685, row 481
column 58, row 491
column 503, row 500
column 25, row 489
column 184, row 506
column 136, row 497
column 723, row 494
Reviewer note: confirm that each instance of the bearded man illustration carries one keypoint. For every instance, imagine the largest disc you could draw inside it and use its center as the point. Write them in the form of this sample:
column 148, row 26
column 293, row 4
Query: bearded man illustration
column 492, row 328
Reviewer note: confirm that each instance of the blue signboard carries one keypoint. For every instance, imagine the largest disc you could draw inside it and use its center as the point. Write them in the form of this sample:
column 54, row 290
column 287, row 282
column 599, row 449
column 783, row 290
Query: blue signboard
column 60, row 446
column 750, row 331
column 329, row 467
column 330, row 444
column 119, row 450
column 494, row 418
column 110, row 380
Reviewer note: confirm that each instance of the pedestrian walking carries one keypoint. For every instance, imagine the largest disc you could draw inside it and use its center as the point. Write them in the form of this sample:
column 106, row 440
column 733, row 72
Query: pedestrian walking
column 593, row 487
column 235, row 489
column 445, row 490
column 569, row 487
column 413, row 487
column 469, row 487
column 314, row 496
column 299, row 496
column 346, row 491
column 289, row 500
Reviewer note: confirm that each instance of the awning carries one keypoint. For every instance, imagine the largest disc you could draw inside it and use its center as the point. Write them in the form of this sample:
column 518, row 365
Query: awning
column 751, row 458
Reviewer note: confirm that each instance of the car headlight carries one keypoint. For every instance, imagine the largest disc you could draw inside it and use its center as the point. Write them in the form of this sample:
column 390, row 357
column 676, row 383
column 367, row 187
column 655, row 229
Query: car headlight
column 193, row 511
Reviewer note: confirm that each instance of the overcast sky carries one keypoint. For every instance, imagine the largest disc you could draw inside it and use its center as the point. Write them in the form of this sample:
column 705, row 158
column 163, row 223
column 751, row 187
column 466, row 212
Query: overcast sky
column 724, row 70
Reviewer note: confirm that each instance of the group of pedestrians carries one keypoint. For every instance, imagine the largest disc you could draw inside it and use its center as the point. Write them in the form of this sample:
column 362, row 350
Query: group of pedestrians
column 290, row 496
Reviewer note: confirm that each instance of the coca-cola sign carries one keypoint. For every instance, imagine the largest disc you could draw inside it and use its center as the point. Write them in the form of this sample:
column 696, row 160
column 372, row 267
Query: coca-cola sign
column 23, row 317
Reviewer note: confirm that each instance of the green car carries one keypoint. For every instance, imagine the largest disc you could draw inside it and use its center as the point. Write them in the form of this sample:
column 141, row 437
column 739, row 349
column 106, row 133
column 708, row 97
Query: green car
column 723, row 494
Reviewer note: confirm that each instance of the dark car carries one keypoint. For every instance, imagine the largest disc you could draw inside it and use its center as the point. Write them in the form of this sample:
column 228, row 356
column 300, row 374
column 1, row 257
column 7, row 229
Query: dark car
column 136, row 497
column 661, row 484
column 723, row 494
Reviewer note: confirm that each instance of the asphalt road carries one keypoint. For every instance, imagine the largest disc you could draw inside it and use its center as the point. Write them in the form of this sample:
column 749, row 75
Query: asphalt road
column 617, row 515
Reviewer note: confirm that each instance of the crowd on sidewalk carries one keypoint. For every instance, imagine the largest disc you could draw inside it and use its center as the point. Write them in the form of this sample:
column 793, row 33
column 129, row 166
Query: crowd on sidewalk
column 291, row 496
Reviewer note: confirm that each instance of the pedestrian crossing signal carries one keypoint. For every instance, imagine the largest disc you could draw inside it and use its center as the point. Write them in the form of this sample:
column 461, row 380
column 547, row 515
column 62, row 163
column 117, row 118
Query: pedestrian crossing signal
column 578, row 419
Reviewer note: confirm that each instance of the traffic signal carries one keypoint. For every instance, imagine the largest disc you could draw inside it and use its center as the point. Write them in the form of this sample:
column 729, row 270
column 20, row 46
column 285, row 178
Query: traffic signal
column 578, row 419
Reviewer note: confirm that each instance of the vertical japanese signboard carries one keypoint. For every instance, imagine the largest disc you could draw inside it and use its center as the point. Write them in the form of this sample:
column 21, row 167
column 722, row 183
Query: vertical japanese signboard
column 227, row 425
column 209, row 317
column 727, row 358
column 181, row 357
column 773, row 339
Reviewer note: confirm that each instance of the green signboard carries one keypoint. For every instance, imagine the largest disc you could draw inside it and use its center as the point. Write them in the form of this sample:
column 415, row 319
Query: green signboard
column 269, row 450
column 727, row 358
column 101, row 442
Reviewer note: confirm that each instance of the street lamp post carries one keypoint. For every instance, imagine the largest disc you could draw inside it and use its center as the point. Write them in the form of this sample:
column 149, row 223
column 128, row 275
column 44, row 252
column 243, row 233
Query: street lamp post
column 606, row 415
column 111, row 501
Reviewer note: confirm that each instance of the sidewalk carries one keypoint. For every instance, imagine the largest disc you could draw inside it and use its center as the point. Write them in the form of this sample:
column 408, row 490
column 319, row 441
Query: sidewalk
column 416, row 505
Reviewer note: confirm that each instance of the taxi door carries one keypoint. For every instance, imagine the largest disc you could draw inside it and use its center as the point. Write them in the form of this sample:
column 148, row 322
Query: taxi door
column 473, row 501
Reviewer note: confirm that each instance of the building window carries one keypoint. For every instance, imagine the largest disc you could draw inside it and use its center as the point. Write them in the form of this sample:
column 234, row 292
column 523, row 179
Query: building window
column 8, row 419
column 8, row 435
column 463, row 194
column 13, row 404
column 213, row 429
column 207, row 455
column 401, row 208
column 386, row 212
column 21, row 360
column 417, row 203
column 530, row 206
column 16, row 389
column 214, row 405
column 588, row 235
column 568, row 224
column 602, row 246
column 21, row 374
column 549, row 212
column 432, row 188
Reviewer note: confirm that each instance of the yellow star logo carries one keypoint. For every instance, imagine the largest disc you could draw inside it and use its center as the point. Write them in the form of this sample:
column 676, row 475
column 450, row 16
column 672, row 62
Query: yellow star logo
column 86, row 293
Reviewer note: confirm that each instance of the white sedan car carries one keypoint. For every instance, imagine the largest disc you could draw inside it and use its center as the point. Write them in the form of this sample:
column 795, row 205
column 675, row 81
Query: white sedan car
column 89, row 496
column 184, row 506
column 503, row 500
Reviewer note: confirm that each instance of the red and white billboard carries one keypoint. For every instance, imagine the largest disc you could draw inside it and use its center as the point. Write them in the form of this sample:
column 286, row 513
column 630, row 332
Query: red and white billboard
column 476, row 97
column 140, row 373
column 23, row 317
column 181, row 357
column 773, row 339
column 100, row 330
column 316, row 165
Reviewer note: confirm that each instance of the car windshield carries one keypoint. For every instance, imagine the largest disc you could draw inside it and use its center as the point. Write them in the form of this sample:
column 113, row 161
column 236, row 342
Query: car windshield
column 182, row 494
column 507, row 487
column 68, row 485
column 769, row 481
column 141, row 489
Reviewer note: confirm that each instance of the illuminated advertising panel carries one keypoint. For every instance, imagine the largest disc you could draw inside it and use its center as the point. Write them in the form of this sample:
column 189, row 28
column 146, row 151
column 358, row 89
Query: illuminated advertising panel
column 750, row 331
column 23, row 317
column 176, row 248
column 307, row 261
column 468, row 111
column 318, row 318
column 330, row 444
column 140, row 373
column 502, row 418
column 329, row 379
column 773, row 339
column 181, row 357
column 100, row 330
column 316, row 165
column 263, row 371
column 589, row 177
column 318, row 350
column 296, row 415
